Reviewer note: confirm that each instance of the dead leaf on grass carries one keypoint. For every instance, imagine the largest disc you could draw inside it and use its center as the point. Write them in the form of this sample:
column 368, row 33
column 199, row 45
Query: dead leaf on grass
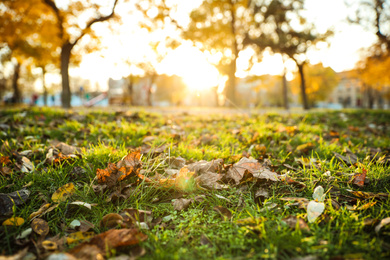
column 40, row 226
column 224, row 212
column 63, row 193
column 304, row 148
column 294, row 222
column 205, row 166
column 250, row 169
column 181, row 204
column 14, row 221
column 111, row 220
column 302, row 202
column 111, row 239
column 369, row 195
column 130, row 165
column 9, row 200
column 78, row 237
column 359, row 178
column 209, row 180
column 384, row 222
column 45, row 208
column 349, row 159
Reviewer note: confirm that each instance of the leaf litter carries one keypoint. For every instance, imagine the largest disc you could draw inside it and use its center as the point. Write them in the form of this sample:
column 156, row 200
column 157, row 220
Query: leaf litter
column 278, row 188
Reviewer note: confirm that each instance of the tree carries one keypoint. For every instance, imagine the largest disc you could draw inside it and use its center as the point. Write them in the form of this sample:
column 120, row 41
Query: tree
column 320, row 82
column 373, row 15
column 25, row 30
column 281, row 26
column 70, row 32
column 373, row 74
column 373, row 69
column 218, row 26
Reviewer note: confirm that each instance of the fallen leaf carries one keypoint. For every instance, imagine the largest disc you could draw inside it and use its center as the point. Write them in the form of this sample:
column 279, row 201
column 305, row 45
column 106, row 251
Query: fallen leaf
column 63, row 192
column 294, row 222
column 111, row 239
column 111, row 220
column 349, row 159
column 18, row 256
column 384, row 222
column 366, row 206
column 176, row 162
column 181, row 204
column 302, row 202
column 304, row 148
column 318, row 194
column 9, row 200
column 359, row 178
column 24, row 234
column 204, row 240
column 224, row 212
column 202, row 166
column 250, row 169
column 14, row 221
column 261, row 194
column 209, row 180
column 40, row 226
column 79, row 236
column 67, row 149
column 74, row 224
column 314, row 210
column 27, row 165
column 43, row 210
column 369, row 195
column 129, row 165
column 49, row 245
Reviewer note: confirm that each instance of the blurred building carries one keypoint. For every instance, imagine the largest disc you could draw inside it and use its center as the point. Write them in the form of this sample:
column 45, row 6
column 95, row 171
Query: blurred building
column 347, row 94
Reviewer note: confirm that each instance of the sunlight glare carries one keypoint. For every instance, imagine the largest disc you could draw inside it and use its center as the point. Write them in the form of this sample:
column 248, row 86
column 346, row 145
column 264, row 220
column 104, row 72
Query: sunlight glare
column 190, row 64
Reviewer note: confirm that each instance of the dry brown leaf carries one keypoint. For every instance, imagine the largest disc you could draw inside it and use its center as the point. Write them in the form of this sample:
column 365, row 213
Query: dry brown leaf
column 111, row 220
column 224, row 212
column 111, row 239
column 181, row 204
column 130, row 165
column 294, row 222
column 209, row 180
column 40, row 226
column 359, row 178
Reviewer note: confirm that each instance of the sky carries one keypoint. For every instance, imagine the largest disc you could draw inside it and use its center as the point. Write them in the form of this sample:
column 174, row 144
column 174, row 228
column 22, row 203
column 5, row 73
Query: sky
column 192, row 65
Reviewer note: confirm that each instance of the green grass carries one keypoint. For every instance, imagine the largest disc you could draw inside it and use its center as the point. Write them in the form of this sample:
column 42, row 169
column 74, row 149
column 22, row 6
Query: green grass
column 107, row 136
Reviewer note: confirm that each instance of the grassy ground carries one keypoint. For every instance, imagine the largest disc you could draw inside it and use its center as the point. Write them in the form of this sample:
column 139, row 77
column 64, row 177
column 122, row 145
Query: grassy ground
column 250, row 218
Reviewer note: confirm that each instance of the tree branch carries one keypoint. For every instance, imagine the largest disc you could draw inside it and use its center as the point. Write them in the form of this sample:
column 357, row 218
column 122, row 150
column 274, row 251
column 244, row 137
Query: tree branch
column 96, row 20
column 52, row 5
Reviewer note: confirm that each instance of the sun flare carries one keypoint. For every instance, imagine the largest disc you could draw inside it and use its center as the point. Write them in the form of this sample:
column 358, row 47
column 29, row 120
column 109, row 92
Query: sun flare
column 191, row 64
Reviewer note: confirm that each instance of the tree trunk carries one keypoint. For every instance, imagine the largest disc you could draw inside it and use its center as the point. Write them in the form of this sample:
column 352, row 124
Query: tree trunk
column 44, row 86
column 285, row 96
column 303, row 87
column 16, row 97
column 370, row 96
column 231, row 84
column 130, row 89
column 65, row 58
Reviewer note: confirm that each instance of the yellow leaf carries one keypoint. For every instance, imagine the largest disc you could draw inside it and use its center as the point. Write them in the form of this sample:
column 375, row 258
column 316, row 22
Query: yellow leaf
column 79, row 237
column 14, row 221
column 41, row 210
column 63, row 192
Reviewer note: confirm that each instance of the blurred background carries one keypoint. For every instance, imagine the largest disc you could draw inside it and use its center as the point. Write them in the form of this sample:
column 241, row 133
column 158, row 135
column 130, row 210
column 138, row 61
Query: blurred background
column 207, row 53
